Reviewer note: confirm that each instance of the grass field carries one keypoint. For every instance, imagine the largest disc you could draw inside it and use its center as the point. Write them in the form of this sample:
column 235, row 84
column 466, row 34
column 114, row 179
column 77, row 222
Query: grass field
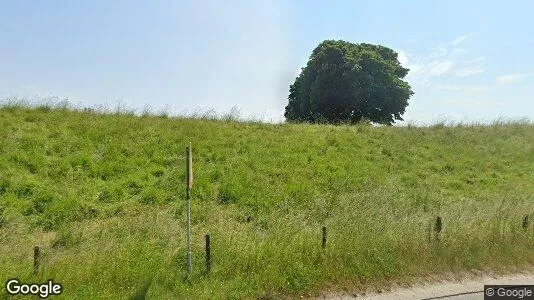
column 104, row 196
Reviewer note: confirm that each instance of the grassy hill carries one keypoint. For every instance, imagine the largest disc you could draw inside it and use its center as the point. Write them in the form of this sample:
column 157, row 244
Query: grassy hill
column 104, row 196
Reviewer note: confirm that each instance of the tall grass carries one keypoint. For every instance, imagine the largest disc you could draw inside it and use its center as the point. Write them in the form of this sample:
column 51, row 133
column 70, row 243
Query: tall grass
column 104, row 195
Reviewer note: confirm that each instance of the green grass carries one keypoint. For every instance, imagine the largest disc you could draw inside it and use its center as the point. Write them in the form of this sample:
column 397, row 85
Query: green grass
column 104, row 195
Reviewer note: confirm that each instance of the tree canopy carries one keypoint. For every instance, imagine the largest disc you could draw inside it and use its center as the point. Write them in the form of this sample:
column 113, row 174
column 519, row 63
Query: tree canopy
column 349, row 83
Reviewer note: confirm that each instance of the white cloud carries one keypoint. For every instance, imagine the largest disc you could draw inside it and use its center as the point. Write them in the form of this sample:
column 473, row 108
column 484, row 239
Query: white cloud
column 471, row 102
column 459, row 51
column 403, row 59
column 511, row 78
column 444, row 60
column 439, row 52
column 475, row 60
column 440, row 68
column 460, row 40
column 416, row 69
column 469, row 71
column 466, row 88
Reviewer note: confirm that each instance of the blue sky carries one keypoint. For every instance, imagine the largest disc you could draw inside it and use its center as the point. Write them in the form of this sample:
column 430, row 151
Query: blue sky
column 469, row 60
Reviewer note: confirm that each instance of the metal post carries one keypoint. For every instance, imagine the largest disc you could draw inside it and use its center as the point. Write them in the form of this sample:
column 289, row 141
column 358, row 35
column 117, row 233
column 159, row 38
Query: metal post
column 189, row 184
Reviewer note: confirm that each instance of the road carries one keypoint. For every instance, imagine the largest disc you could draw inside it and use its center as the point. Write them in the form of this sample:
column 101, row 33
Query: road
column 466, row 289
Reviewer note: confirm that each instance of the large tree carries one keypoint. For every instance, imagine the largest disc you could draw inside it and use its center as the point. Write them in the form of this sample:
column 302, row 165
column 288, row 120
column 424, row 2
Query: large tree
column 348, row 83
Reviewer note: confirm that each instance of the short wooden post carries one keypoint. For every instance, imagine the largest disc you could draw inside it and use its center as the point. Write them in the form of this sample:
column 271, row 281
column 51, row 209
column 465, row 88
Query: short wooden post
column 324, row 237
column 525, row 222
column 36, row 259
column 208, row 253
column 438, row 226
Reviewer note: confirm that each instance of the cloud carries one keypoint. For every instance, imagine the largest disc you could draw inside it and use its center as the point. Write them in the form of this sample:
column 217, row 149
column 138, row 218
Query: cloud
column 466, row 88
column 416, row 69
column 471, row 103
column 475, row 60
column 444, row 60
column 439, row 52
column 511, row 78
column 440, row 68
column 403, row 59
column 469, row 71
column 459, row 51
column 460, row 40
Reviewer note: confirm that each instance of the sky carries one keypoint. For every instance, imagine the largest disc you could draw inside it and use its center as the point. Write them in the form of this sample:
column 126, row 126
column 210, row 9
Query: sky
column 469, row 61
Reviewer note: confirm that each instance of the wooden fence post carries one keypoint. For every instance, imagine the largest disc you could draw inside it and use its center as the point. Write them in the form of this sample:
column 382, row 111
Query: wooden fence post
column 208, row 253
column 438, row 226
column 324, row 237
column 36, row 259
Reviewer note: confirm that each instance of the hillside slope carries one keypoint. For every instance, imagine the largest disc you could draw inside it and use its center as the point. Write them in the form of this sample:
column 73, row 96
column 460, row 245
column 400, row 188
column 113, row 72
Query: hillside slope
column 104, row 196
